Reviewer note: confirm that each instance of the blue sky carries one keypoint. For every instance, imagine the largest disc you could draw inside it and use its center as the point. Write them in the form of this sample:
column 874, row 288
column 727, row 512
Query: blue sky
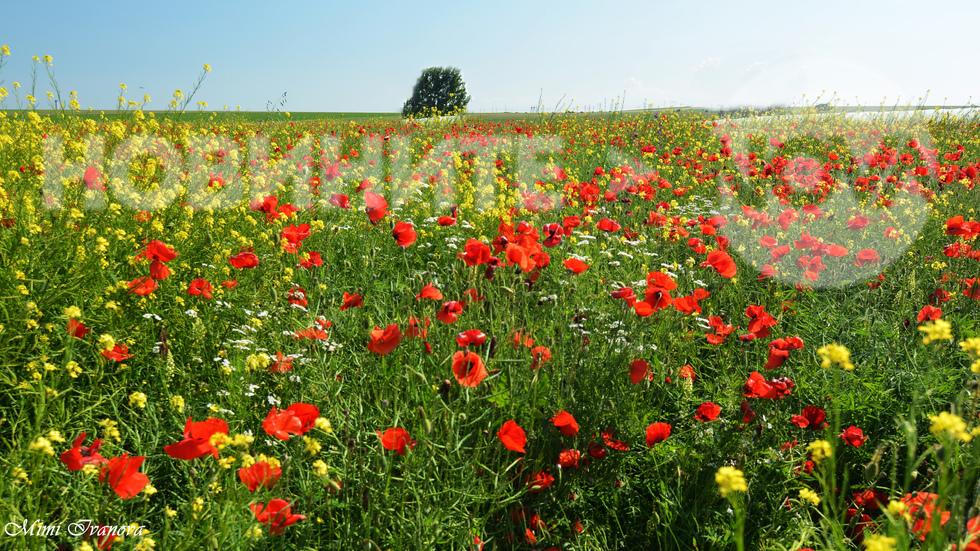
column 366, row 56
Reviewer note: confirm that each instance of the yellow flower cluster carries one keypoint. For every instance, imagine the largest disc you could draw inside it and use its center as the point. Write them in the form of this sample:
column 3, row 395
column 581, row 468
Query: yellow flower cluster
column 42, row 445
column 935, row 331
column 137, row 399
column 730, row 479
column 807, row 494
column 948, row 423
column 972, row 347
column 835, row 354
column 878, row 542
column 820, row 450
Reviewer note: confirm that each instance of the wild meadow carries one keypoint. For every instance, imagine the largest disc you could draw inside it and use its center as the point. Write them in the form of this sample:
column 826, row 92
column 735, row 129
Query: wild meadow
column 648, row 331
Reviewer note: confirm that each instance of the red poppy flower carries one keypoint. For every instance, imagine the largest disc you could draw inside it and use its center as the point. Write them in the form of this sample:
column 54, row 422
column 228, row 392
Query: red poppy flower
column 404, row 234
column 230, row 284
column 707, row 412
column 396, row 439
column 340, row 200
column 608, row 225
column 123, row 476
column 142, row 286
column 77, row 329
column 812, row 418
column 761, row 321
column 722, row 263
column 972, row 288
column 429, row 291
column 929, row 312
column 384, row 340
column 259, row 475
column 449, row 312
column 79, row 456
column 307, row 415
column 853, row 436
column 576, row 265
column 779, row 350
column 870, row 499
column 244, row 260
column 375, row 206
column 957, row 226
column 538, row 482
column 541, row 354
column 612, row 442
column 311, row 260
column 686, row 372
column 656, row 299
column 351, row 301
column 119, row 353
column 158, row 250
column 565, row 423
column 92, row 178
column 512, row 436
column 282, row 424
column 866, row 257
column 197, row 439
column 625, row 293
column 468, row 368
column 569, row 459
column 471, row 337
column 475, row 253
column 415, row 329
column 311, row 333
column 747, row 414
column 921, row 507
column 520, row 256
column 282, row 364
column 159, row 271
column 638, row 370
column 758, row 387
column 858, row 222
column 294, row 235
column 553, row 234
column 297, row 296
column 657, row 433
column 200, row 287
column 277, row 515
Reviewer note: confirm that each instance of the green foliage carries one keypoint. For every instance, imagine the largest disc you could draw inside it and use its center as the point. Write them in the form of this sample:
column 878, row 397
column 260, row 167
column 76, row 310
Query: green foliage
column 439, row 91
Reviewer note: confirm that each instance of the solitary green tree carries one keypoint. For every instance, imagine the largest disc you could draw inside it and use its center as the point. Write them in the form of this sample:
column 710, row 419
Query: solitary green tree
column 439, row 91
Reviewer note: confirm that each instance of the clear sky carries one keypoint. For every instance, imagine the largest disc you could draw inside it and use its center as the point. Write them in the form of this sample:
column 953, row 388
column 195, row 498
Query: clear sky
column 365, row 56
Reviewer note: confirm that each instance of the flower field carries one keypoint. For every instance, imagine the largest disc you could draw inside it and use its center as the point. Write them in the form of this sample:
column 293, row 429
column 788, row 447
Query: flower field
column 567, row 332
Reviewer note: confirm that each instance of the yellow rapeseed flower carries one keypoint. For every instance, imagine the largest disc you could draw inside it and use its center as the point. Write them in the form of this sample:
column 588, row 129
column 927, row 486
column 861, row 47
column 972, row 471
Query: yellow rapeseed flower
column 807, row 494
column 73, row 312
column 936, row 330
column 878, row 542
column 106, row 342
column 138, row 399
column 310, row 445
column 730, row 479
column 835, row 354
column 951, row 424
column 820, row 450
column 42, row 445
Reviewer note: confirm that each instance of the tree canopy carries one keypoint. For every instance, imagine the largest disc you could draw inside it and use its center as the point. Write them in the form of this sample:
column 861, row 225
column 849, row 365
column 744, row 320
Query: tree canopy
column 438, row 91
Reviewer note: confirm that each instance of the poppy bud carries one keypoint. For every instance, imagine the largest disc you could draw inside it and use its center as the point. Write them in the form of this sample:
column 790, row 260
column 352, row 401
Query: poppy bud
column 428, row 426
